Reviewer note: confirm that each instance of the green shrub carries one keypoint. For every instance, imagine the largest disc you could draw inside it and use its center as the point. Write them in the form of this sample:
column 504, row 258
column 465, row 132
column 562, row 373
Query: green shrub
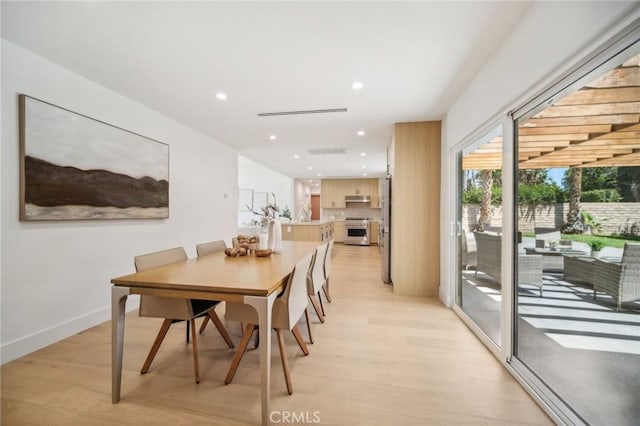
column 541, row 194
column 601, row 196
column 474, row 196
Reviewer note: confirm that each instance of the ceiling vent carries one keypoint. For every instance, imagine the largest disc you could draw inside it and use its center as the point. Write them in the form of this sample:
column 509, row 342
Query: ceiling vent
column 326, row 151
column 310, row 111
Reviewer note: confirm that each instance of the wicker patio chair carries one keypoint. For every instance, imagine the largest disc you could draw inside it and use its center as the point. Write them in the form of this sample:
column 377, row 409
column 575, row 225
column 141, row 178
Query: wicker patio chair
column 619, row 280
column 530, row 270
column 469, row 250
column 490, row 261
column 488, row 255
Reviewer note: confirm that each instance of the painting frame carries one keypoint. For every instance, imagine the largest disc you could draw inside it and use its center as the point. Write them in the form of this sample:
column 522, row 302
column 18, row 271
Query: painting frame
column 75, row 167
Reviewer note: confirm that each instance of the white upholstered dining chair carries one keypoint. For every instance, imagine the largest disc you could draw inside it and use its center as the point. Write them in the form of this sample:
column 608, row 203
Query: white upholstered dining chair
column 171, row 309
column 287, row 310
column 327, row 270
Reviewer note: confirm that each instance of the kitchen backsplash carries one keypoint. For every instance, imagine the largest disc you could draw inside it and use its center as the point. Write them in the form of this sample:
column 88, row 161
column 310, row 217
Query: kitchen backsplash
column 341, row 214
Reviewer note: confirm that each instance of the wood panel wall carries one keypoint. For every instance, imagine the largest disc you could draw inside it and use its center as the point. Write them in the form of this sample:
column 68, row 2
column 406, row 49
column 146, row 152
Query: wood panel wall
column 415, row 244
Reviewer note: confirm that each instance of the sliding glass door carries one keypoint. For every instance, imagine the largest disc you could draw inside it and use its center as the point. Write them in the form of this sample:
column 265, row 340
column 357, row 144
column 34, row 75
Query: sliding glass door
column 577, row 261
column 479, row 238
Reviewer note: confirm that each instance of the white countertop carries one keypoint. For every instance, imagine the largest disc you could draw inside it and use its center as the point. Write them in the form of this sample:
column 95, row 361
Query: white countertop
column 312, row 223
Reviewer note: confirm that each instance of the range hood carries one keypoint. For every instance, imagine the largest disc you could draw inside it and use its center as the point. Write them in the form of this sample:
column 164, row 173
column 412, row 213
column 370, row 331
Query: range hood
column 357, row 199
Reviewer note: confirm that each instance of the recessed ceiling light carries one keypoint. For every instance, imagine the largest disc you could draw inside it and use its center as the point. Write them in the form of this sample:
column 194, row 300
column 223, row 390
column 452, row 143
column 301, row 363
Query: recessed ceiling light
column 273, row 137
column 360, row 132
column 319, row 174
column 310, row 167
column 310, row 181
column 221, row 96
column 364, row 174
column 296, row 156
column 364, row 167
column 362, row 154
column 357, row 85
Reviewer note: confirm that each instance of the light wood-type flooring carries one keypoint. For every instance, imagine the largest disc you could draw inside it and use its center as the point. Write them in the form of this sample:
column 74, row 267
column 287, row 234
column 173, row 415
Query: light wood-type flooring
column 379, row 359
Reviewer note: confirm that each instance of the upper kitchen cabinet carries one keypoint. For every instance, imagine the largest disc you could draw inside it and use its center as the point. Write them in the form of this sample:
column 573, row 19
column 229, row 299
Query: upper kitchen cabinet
column 334, row 191
column 415, row 220
column 332, row 194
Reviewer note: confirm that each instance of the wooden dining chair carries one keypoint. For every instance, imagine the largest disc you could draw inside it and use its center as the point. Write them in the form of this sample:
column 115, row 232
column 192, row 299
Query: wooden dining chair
column 287, row 311
column 204, row 249
column 171, row 309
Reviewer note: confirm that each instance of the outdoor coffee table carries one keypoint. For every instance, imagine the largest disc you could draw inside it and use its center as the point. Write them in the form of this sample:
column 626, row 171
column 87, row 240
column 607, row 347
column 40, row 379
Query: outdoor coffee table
column 553, row 259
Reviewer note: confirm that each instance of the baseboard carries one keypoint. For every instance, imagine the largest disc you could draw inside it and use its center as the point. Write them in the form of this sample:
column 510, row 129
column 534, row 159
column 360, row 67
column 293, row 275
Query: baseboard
column 445, row 296
column 31, row 343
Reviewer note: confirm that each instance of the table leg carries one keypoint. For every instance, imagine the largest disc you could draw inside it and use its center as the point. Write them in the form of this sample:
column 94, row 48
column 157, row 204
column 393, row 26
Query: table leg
column 264, row 306
column 118, row 303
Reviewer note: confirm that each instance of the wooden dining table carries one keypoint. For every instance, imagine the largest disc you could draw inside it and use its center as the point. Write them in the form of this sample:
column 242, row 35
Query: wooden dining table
column 253, row 280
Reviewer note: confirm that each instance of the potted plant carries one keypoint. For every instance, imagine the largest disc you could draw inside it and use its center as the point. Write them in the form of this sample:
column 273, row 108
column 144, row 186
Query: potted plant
column 596, row 245
column 286, row 213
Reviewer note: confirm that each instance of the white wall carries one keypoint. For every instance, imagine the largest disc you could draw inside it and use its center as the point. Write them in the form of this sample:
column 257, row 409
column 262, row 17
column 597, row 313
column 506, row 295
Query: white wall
column 55, row 276
column 252, row 175
column 550, row 38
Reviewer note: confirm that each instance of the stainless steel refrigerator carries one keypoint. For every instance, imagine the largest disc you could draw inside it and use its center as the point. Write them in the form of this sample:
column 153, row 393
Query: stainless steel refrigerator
column 385, row 231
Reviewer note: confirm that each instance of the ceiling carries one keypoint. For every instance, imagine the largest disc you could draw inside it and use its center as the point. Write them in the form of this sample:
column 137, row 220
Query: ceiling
column 595, row 126
column 413, row 60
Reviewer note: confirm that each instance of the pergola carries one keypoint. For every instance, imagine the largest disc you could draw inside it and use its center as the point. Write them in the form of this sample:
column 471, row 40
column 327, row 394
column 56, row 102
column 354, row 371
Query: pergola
column 596, row 126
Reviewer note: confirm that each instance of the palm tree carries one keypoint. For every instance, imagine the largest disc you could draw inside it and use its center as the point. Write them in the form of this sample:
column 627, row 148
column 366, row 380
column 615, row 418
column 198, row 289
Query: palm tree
column 485, row 177
column 573, row 225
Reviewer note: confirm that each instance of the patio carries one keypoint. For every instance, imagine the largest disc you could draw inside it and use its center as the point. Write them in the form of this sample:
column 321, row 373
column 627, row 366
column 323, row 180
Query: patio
column 569, row 339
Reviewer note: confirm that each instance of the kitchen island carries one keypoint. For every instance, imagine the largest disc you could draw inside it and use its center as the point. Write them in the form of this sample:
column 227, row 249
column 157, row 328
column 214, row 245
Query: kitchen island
column 315, row 230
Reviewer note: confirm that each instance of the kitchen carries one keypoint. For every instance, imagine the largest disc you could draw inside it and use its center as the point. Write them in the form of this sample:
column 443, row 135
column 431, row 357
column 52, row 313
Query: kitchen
column 347, row 210
column 354, row 210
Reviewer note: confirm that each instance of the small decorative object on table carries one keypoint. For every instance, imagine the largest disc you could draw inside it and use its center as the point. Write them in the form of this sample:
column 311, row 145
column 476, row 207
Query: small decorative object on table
column 263, row 253
column 249, row 243
column 269, row 220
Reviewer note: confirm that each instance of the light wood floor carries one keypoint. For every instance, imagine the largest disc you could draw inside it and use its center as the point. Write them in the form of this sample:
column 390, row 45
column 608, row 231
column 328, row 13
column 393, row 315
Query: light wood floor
column 379, row 359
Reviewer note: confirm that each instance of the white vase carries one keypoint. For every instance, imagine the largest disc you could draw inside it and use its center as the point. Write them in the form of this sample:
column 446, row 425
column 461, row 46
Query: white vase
column 595, row 253
column 263, row 244
column 276, row 228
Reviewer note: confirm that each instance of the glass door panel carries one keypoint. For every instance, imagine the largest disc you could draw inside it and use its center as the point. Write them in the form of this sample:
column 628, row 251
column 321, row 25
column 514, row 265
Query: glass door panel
column 578, row 252
column 480, row 233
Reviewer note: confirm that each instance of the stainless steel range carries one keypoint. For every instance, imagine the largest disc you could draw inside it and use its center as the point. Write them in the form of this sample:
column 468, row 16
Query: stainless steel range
column 356, row 231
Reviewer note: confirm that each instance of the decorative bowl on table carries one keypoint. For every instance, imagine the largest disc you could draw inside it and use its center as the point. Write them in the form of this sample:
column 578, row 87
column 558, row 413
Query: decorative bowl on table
column 263, row 253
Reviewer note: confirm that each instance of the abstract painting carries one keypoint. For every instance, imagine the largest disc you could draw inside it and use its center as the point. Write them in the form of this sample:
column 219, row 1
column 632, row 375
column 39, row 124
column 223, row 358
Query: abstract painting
column 75, row 167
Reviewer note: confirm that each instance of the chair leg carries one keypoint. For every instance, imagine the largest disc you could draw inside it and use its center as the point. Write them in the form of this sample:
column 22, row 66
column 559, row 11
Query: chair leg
column 306, row 316
column 211, row 313
column 156, row 345
column 296, row 333
column 321, row 305
column 187, row 331
column 246, row 336
column 325, row 289
column 194, row 334
column 285, row 362
column 316, row 307
column 205, row 321
column 256, row 341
